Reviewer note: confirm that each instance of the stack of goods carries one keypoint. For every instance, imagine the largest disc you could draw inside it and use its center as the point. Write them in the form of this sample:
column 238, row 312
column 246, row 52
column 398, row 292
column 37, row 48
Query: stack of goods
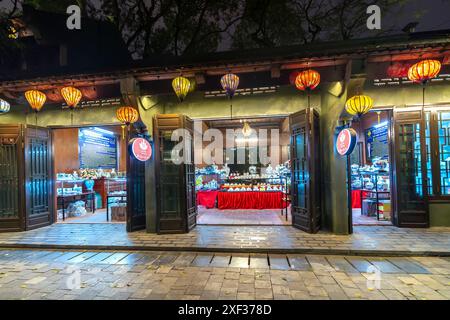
column 260, row 187
column 119, row 212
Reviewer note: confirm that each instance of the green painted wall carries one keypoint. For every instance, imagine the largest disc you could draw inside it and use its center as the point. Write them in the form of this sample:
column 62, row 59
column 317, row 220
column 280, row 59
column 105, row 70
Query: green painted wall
column 440, row 214
column 285, row 101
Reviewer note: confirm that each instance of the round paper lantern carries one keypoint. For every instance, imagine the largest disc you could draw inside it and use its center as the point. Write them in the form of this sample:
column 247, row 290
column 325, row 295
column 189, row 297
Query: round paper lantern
column 424, row 71
column 359, row 105
column 307, row 80
column 181, row 86
column 127, row 115
column 230, row 83
column 36, row 99
column 4, row 106
column 72, row 96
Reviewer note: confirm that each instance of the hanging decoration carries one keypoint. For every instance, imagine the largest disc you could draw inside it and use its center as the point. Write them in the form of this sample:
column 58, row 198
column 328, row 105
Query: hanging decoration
column 424, row 71
column 127, row 115
column 72, row 96
column 307, row 80
column 4, row 106
column 181, row 86
column 36, row 99
column 230, row 83
column 359, row 105
column 246, row 129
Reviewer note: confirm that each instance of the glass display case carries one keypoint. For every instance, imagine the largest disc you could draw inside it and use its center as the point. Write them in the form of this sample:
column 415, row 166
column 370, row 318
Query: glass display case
column 116, row 195
column 73, row 197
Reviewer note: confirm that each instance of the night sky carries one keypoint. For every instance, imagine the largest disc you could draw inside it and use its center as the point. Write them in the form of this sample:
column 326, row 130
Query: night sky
column 431, row 15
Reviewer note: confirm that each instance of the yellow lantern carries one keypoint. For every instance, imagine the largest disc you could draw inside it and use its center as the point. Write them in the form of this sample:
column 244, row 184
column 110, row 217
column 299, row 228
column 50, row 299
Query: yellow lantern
column 359, row 105
column 424, row 71
column 36, row 99
column 127, row 115
column 72, row 96
column 181, row 86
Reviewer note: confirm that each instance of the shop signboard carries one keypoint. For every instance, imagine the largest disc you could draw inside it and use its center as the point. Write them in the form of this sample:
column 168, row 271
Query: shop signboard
column 346, row 141
column 377, row 142
column 97, row 149
column 141, row 149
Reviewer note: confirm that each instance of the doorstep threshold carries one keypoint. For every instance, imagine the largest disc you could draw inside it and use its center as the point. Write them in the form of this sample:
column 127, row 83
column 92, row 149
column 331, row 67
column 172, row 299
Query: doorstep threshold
column 311, row 251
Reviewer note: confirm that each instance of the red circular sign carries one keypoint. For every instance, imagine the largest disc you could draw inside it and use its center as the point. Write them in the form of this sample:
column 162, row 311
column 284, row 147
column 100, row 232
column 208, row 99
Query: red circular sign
column 346, row 142
column 141, row 149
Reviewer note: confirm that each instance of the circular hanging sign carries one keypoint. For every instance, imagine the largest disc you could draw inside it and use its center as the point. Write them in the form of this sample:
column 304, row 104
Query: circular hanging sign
column 141, row 149
column 346, row 142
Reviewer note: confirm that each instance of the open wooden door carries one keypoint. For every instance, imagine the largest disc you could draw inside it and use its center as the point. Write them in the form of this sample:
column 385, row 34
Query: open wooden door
column 136, row 210
column 11, row 177
column 305, row 170
column 410, row 185
column 37, row 148
column 175, row 182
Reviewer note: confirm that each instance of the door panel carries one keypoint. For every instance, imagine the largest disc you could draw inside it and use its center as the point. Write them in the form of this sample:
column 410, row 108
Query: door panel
column 175, row 183
column 305, row 167
column 136, row 213
column 11, row 193
column 409, row 177
column 38, row 177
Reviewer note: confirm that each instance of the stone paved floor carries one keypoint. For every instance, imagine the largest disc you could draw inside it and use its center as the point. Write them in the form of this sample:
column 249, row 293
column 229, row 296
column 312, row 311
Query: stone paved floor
column 365, row 240
column 243, row 217
column 55, row 275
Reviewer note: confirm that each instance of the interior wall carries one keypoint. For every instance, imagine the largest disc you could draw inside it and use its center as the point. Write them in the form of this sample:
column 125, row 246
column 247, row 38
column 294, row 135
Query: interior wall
column 66, row 151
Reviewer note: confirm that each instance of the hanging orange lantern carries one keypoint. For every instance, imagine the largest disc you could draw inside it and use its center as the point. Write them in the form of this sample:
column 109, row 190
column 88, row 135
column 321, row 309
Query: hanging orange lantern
column 36, row 99
column 307, row 80
column 424, row 71
column 359, row 105
column 127, row 115
column 72, row 96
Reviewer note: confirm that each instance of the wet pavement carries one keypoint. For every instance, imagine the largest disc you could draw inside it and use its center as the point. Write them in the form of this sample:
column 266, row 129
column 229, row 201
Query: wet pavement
column 87, row 275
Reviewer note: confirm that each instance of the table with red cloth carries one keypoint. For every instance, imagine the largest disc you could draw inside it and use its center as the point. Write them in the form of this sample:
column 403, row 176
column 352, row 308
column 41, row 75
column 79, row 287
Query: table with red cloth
column 356, row 198
column 207, row 199
column 251, row 200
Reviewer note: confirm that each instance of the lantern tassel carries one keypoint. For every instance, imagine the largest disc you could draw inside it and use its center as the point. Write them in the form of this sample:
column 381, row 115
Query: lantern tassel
column 123, row 132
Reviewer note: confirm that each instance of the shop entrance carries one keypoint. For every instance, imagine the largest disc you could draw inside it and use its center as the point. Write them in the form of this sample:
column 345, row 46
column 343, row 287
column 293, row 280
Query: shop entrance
column 95, row 177
column 371, row 168
column 239, row 192
column 388, row 170
column 68, row 175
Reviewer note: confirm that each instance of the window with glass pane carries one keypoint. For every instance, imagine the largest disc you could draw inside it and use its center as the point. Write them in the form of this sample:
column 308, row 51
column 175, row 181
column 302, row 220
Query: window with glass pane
column 409, row 172
column 428, row 146
column 444, row 151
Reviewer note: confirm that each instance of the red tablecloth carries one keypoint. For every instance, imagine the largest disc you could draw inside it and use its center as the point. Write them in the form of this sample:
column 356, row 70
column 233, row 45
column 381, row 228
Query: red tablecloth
column 207, row 198
column 356, row 199
column 250, row 200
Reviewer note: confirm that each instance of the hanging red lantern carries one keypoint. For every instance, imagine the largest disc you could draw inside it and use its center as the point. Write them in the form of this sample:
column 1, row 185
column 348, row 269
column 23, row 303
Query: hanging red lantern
column 307, row 80
column 424, row 71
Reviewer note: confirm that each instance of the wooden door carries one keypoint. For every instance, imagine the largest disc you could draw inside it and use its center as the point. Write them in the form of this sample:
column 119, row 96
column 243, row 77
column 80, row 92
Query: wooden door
column 11, row 179
column 410, row 185
column 37, row 151
column 175, row 182
column 136, row 209
column 305, row 170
